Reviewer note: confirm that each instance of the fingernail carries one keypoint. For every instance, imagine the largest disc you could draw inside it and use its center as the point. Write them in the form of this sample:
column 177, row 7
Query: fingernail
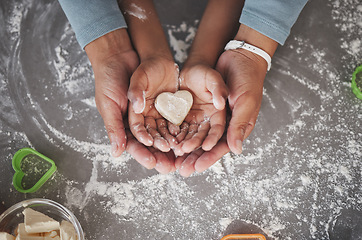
column 198, row 169
column 150, row 162
column 139, row 104
column 147, row 142
column 161, row 168
column 173, row 169
column 219, row 104
column 114, row 148
column 152, row 159
column 239, row 145
column 137, row 107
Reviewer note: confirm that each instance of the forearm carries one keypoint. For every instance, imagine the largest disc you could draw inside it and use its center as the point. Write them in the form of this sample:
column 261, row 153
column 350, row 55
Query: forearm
column 91, row 19
column 218, row 25
column 272, row 18
column 108, row 45
column 145, row 29
column 256, row 39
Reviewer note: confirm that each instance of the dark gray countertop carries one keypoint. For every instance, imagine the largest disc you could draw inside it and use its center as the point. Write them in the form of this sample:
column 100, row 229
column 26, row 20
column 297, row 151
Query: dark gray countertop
column 299, row 176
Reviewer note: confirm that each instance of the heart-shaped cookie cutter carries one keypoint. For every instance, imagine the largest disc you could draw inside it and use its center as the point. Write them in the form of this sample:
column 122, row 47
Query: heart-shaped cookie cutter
column 356, row 88
column 19, row 156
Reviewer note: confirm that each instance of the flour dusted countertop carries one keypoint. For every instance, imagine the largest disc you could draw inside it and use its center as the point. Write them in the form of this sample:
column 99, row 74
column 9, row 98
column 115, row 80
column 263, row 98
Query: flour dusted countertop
column 299, row 176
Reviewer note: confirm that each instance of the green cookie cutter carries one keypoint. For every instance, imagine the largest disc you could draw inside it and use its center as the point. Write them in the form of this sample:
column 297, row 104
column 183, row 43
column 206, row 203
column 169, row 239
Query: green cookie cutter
column 357, row 77
column 33, row 166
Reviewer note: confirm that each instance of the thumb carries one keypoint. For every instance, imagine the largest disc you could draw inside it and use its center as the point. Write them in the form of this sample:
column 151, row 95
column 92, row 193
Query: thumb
column 137, row 99
column 242, row 122
column 137, row 91
column 217, row 87
column 113, row 122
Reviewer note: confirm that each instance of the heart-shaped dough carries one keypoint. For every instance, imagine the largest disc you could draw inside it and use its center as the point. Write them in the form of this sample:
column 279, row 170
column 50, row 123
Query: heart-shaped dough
column 174, row 106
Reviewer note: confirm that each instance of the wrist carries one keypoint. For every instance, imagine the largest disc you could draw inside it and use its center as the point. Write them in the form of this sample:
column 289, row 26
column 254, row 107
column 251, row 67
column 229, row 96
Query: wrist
column 150, row 42
column 219, row 23
column 151, row 52
column 198, row 59
column 256, row 39
column 146, row 32
column 235, row 44
column 108, row 45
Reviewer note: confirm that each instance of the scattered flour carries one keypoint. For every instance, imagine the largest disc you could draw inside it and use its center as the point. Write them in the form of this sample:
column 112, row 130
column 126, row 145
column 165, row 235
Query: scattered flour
column 292, row 181
column 137, row 12
column 181, row 45
column 349, row 22
column 224, row 222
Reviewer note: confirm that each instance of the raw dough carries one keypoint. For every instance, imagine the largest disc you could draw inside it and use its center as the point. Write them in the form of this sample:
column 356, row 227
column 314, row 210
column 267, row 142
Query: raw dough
column 174, row 106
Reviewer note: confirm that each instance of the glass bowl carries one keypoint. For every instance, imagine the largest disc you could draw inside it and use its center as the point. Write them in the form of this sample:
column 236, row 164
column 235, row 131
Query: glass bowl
column 10, row 219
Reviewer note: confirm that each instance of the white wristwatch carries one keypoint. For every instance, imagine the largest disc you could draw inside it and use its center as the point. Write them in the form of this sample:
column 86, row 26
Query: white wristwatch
column 235, row 44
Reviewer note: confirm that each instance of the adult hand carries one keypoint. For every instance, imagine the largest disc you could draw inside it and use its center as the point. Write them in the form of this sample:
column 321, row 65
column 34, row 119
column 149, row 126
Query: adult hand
column 152, row 77
column 113, row 61
column 206, row 119
column 244, row 73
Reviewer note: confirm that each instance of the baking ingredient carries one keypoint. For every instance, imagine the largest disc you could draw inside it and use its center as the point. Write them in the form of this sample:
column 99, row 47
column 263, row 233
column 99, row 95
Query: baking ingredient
column 6, row 236
column 181, row 45
column 38, row 226
column 67, row 231
column 37, row 222
column 136, row 11
column 174, row 106
column 52, row 238
column 22, row 233
column 51, row 234
column 299, row 169
column 29, row 238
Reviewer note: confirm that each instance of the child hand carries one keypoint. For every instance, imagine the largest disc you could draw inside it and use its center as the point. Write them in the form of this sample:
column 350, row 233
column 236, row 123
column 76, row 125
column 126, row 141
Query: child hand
column 150, row 157
column 244, row 73
column 152, row 77
column 200, row 160
column 206, row 119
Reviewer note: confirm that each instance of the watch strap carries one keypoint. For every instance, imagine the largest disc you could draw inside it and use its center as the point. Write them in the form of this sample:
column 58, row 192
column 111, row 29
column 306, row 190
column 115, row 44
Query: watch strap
column 235, row 44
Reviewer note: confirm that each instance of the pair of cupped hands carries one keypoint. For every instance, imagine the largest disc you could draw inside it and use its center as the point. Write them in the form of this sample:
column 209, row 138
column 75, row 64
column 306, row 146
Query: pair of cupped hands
column 126, row 89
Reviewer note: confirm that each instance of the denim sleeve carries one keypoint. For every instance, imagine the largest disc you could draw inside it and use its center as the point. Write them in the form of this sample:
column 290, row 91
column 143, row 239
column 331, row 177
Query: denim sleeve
column 273, row 18
column 91, row 19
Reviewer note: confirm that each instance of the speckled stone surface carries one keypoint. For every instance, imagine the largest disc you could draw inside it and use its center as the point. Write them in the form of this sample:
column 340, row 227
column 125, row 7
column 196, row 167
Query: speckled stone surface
column 299, row 176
